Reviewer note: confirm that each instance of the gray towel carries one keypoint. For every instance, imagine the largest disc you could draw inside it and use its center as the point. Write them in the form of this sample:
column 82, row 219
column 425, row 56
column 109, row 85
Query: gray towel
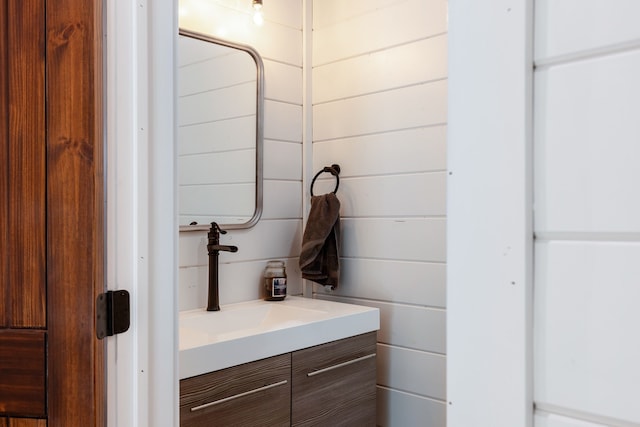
column 320, row 257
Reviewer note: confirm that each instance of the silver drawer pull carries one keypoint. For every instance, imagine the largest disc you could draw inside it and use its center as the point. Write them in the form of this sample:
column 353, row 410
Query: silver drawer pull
column 235, row 396
column 340, row 365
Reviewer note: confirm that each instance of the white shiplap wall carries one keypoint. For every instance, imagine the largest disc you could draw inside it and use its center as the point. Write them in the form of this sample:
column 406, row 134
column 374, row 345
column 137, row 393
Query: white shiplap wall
column 277, row 235
column 379, row 110
column 587, row 215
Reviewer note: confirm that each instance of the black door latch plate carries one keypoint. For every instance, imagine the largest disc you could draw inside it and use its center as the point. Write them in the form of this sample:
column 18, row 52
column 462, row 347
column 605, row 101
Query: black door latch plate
column 113, row 313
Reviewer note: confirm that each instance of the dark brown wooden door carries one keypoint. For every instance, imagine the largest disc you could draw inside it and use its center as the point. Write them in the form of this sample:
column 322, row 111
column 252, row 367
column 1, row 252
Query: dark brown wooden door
column 51, row 213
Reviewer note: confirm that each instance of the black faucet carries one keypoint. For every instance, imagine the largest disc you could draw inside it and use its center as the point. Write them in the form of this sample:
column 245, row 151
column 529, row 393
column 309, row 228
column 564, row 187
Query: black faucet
column 214, row 247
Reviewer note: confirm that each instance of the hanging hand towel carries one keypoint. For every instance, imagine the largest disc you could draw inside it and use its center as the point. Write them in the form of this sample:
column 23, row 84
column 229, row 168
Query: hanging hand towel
column 320, row 257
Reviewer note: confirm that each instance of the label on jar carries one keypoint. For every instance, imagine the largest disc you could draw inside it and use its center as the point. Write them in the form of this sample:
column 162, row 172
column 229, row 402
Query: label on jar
column 279, row 287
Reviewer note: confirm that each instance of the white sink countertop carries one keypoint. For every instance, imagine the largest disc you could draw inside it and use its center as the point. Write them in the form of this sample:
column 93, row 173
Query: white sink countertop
column 252, row 330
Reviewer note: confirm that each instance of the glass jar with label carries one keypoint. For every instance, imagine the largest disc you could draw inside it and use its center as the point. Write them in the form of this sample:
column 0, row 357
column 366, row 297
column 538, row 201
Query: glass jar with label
column 275, row 281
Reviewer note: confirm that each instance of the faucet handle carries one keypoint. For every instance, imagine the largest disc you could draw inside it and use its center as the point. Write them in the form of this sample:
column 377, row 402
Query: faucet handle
column 215, row 228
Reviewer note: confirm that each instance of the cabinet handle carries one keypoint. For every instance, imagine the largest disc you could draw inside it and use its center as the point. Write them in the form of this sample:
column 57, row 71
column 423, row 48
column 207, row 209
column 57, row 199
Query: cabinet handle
column 235, row 396
column 340, row 365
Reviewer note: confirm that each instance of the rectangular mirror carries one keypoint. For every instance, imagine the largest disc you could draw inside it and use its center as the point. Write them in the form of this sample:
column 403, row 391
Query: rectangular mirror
column 220, row 126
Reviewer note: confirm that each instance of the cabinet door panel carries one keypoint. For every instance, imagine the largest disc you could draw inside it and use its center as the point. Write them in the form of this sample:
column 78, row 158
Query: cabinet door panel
column 22, row 373
column 253, row 394
column 335, row 383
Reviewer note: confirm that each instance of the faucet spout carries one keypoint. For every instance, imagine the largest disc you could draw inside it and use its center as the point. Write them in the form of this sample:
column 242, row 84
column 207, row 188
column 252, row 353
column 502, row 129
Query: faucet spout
column 225, row 248
column 214, row 247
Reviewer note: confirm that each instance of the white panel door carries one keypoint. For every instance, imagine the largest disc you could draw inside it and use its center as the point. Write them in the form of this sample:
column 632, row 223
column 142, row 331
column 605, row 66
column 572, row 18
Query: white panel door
column 587, row 214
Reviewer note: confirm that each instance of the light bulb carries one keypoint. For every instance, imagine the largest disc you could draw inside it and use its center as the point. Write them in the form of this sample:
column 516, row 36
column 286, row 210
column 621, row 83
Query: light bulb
column 257, row 14
column 258, row 18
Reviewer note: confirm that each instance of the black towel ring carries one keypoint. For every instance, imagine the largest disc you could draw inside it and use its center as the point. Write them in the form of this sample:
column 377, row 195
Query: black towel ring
column 333, row 170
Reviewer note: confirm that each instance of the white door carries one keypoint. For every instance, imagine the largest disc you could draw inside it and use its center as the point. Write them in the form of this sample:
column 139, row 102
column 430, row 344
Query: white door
column 587, row 213
column 568, row 342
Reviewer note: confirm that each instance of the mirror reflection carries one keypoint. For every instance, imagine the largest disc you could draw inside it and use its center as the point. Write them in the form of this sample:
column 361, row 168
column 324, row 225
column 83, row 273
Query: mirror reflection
column 220, row 86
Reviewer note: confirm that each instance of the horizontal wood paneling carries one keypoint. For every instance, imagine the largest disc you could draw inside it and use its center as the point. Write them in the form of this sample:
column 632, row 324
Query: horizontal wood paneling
column 284, row 12
column 409, row 107
column 420, row 61
column 399, row 239
column 273, row 239
column 23, row 373
column 276, row 206
column 586, row 145
column 398, row 324
column 330, row 12
column 398, row 408
column 586, row 359
column 279, row 157
column 594, row 26
column 413, row 371
column 413, row 150
column 378, row 196
column 283, row 121
column 380, row 111
column 285, row 82
column 419, row 19
column 279, row 43
column 419, row 283
column 192, row 287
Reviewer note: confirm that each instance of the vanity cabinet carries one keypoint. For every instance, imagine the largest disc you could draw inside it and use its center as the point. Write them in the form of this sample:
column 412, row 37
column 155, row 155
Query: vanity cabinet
column 331, row 384
column 334, row 384
column 253, row 394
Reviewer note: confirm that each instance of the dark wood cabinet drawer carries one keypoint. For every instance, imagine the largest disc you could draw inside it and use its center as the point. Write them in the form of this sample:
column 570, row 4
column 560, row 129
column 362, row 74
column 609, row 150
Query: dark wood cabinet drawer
column 335, row 383
column 253, row 394
column 332, row 384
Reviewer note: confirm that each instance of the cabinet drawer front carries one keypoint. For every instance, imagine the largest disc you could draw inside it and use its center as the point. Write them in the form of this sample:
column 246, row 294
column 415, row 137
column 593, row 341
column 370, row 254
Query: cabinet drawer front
column 335, row 383
column 222, row 398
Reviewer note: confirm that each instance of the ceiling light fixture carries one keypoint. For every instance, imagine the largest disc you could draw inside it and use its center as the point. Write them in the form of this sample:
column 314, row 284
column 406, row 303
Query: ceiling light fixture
column 257, row 14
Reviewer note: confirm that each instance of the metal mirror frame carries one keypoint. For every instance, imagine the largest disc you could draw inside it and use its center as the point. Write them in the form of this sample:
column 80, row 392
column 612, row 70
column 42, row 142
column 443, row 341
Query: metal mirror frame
column 257, row 214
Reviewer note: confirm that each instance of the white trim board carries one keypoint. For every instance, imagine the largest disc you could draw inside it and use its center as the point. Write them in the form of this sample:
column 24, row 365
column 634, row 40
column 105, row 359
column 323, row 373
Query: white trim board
column 489, row 230
column 142, row 390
